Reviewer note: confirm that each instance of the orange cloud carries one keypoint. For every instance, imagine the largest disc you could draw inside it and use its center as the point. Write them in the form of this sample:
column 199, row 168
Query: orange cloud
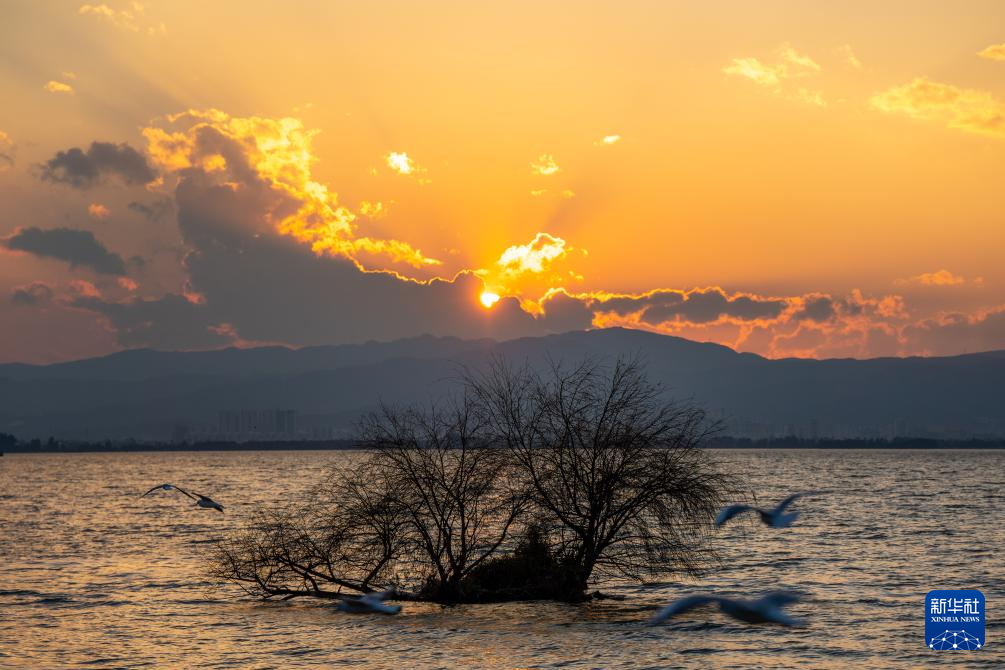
column 965, row 109
column 82, row 288
column 993, row 52
column 938, row 278
column 98, row 211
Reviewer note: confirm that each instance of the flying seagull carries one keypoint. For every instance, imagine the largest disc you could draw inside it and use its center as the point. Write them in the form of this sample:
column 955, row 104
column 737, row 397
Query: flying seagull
column 202, row 501
column 369, row 602
column 767, row 609
column 776, row 518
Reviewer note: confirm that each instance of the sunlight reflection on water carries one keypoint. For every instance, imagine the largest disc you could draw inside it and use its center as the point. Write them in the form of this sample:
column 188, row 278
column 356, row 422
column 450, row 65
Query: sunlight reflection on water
column 90, row 575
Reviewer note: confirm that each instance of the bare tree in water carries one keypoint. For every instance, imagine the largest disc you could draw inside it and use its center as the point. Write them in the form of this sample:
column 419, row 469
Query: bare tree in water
column 461, row 498
column 345, row 539
column 530, row 485
column 613, row 467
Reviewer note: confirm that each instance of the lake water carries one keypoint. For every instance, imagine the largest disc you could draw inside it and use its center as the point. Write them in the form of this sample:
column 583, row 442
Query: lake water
column 90, row 576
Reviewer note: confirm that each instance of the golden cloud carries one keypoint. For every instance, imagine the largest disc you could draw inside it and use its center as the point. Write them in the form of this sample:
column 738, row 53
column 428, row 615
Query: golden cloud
column 756, row 71
column 801, row 62
column 849, row 56
column 125, row 19
column 534, row 257
column 530, row 269
column 372, row 210
column 965, row 109
column 400, row 162
column 790, row 65
column 809, row 97
column 545, row 165
column 993, row 52
column 58, row 87
column 278, row 152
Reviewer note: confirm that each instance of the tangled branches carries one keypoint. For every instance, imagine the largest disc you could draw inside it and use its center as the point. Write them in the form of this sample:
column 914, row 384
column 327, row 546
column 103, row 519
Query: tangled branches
column 527, row 486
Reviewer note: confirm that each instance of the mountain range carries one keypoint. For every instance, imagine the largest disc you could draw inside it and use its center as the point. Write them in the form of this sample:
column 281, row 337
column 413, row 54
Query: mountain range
column 154, row 395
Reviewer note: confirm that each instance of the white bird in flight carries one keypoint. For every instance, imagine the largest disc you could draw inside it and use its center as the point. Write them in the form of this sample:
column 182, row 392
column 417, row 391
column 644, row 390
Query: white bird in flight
column 767, row 609
column 201, row 501
column 776, row 518
column 369, row 602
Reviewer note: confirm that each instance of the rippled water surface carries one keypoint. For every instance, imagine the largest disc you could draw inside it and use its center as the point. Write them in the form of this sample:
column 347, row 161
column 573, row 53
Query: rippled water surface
column 91, row 576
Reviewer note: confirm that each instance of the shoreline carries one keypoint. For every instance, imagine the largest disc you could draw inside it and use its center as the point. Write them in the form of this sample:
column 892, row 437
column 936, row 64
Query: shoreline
column 351, row 445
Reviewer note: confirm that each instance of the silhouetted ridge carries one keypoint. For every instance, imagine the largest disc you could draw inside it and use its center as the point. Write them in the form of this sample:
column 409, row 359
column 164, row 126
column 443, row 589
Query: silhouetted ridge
column 150, row 394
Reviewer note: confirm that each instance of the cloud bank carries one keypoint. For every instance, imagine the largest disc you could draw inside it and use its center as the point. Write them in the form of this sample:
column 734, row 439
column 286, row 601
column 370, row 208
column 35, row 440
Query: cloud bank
column 270, row 255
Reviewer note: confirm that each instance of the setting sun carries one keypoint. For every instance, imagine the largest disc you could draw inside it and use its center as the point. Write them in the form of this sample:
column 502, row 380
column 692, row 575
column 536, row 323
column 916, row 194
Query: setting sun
column 488, row 299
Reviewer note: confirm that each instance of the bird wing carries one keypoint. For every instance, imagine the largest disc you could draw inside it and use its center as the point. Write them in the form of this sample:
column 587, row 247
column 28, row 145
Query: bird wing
column 377, row 596
column 159, row 486
column 682, row 605
column 193, row 497
column 729, row 512
column 788, row 501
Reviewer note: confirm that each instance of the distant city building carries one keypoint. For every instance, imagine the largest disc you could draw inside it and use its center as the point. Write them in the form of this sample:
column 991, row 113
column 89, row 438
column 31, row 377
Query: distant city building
column 258, row 423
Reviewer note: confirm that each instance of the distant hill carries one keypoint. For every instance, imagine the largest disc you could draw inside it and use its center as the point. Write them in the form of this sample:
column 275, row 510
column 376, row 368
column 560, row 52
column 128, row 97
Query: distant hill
column 152, row 394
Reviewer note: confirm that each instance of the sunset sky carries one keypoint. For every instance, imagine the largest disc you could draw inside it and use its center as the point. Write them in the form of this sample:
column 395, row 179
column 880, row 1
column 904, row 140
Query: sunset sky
column 787, row 178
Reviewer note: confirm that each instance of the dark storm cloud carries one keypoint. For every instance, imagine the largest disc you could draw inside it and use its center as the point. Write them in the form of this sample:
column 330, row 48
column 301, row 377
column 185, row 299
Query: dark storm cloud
column 275, row 289
column 634, row 303
column 261, row 286
column 696, row 306
column 563, row 313
column 819, row 308
column 170, row 322
column 79, row 248
column 703, row 306
column 31, row 295
column 84, row 169
column 152, row 211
